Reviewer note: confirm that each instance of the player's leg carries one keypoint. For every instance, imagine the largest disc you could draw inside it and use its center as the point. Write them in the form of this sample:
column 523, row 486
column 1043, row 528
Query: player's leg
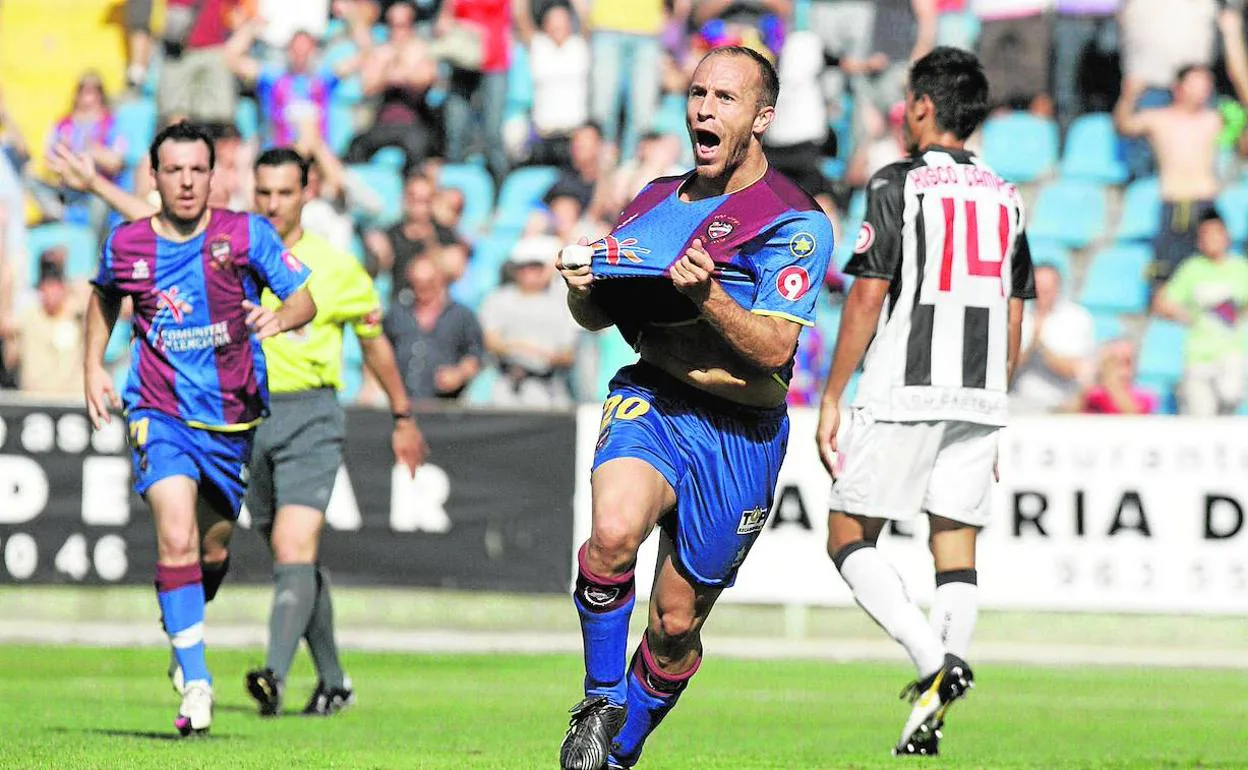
column 629, row 495
column 955, row 608
column 885, row 468
column 668, row 656
column 214, row 562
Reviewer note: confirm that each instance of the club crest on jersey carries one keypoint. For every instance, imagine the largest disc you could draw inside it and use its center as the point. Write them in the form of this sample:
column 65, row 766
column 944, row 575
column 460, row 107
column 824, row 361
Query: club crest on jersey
column 292, row 262
column 865, row 239
column 612, row 249
column 220, row 252
column 802, row 244
column 752, row 521
column 168, row 300
column 141, row 272
column 721, row 227
column 793, row 282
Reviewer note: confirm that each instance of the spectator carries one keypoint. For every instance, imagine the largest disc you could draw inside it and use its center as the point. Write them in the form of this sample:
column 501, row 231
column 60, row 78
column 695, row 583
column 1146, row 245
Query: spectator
column 657, row 155
column 559, row 62
column 902, row 31
column 529, row 332
column 1081, row 26
column 291, row 93
column 1209, row 294
column 1160, row 38
column 844, row 27
column 195, row 80
column 417, row 235
column 137, row 20
column 490, row 21
column 89, row 128
column 447, row 209
column 1057, row 350
column 794, row 143
column 889, row 147
column 626, row 59
column 399, row 74
column 437, row 342
column 590, row 165
column 1015, row 47
column 288, row 18
column 47, row 341
column 1184, row 137
column 1115, row 391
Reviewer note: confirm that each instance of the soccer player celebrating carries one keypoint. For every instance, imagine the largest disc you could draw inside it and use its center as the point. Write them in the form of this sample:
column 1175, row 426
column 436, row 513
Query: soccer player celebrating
column 299, row 448
column 942, row 251
column 710, row 276
column 197, row 385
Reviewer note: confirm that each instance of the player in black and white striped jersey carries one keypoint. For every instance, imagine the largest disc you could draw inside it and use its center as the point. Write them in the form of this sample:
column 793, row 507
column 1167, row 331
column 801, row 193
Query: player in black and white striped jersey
column 942, row 268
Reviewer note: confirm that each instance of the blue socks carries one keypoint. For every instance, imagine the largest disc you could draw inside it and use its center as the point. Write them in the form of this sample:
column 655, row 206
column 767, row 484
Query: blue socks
column 651, row 694
column 180, row 591
column 605, row 605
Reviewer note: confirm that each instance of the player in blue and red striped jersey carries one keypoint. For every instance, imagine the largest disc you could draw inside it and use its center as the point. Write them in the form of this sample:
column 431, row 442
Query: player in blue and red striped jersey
column 710, row 276
column 196, row 387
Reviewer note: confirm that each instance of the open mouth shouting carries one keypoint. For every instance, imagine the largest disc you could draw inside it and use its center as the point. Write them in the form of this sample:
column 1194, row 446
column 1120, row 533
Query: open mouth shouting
column 705, row 145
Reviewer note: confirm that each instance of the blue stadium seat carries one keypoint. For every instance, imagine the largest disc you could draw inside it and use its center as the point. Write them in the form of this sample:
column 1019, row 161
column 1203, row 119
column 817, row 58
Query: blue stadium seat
column 136, row 125
column 1164, row 389
column 832, row 168
column 352, row 353
column 1044, row 252
column 522, row 190
column 478, row 190
column 519, row 83
column 1141, row 211
column 850, row 224
column 480, row 392
column 391, row 158
column 1107, row 326
column 247, row 118
column 352, row 382
column 341, row 127
column 1070, row 212
column 1092, row 151
column 79, row 240
column 1116, row 280
column 1233, row 206
column 1020, row 146
column 118, row 343
column 1162, row 351
column 387, row 185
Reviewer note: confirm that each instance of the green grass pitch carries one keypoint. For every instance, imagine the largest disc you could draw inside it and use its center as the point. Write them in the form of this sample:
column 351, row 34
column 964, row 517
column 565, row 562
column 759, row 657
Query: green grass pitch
column 110, row 708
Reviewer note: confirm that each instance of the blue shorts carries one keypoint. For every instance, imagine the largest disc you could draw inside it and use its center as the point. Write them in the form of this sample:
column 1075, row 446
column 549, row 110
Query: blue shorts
column 162, row 446
column 721, row 459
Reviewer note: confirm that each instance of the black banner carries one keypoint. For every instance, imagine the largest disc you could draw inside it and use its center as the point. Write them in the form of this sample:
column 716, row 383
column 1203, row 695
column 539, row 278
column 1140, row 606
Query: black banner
column 492, row 509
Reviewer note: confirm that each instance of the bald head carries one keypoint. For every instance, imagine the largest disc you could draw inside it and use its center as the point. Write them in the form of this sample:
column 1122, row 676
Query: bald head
column 767, row 86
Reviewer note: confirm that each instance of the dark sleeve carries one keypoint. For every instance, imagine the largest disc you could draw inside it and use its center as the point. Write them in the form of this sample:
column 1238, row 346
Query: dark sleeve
column 1022, row 275
column 473, row 341
column 877, row 248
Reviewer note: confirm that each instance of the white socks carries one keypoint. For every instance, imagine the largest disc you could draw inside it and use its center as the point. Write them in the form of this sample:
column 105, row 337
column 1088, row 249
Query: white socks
column 878, row 589
column 956, row 609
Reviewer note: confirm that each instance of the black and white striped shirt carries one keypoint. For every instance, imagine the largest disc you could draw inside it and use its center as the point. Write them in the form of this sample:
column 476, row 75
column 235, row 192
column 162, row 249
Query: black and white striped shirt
column 947, row 233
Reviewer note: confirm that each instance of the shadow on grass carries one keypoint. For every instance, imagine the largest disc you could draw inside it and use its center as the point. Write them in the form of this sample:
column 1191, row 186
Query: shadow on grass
column 149, row 735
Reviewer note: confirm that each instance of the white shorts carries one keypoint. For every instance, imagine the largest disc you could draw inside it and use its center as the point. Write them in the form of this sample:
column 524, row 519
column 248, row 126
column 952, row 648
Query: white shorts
column 896, row 470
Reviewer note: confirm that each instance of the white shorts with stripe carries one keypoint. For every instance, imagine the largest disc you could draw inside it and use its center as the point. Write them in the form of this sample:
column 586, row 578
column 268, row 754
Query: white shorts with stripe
column 897, row 470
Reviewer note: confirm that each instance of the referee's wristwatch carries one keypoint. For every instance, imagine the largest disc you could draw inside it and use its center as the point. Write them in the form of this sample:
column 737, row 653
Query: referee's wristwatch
column 403, row 415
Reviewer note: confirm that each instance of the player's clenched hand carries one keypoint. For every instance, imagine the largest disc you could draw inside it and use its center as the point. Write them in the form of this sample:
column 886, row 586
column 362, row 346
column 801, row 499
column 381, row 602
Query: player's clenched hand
column 409, row 445
column 100, row 395
column 692, row 273
column 579, row 279
column 825, row 434
column 262, row 321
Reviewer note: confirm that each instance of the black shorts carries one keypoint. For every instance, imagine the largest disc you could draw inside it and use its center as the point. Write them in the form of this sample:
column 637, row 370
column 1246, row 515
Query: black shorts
column 1176, row 238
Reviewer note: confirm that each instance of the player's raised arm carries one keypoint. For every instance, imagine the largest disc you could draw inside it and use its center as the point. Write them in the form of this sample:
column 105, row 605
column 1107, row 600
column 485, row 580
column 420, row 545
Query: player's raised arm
column 77, row 170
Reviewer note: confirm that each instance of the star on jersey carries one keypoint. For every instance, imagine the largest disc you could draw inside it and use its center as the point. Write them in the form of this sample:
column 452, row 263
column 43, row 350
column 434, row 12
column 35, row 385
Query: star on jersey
column 802, row 244
column 612, row 249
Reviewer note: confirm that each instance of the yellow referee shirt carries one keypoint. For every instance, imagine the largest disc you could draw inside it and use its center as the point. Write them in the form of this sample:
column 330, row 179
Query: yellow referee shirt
column 311, row 357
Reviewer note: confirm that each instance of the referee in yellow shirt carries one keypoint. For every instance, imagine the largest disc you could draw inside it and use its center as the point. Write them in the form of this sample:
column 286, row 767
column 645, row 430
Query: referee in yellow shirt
column 298, row 449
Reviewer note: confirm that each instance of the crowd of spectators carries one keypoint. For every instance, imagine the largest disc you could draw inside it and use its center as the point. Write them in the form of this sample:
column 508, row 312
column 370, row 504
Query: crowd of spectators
column 395, row 101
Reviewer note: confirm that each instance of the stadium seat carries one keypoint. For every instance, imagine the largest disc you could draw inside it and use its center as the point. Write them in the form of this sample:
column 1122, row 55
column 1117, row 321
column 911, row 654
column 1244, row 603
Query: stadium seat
column 1092, row 151
column 1141, row 211
column 1233, row 206
column 387, row 185
column 1053, row 254
column 341, row 127
column 79, row 241
column 136, row 125
column 1116, row 280
column 1069, row 212
column 1021, row 147
column 352, row 353
column 1164, row 389
column 1162, row 350
column 522, row 190
column 1107, row 326
column 247, row 118
column 519, row 83
column 352, row 383
column 118, row 343
column 478, row 190
column 480, row 392
column 391, row 158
